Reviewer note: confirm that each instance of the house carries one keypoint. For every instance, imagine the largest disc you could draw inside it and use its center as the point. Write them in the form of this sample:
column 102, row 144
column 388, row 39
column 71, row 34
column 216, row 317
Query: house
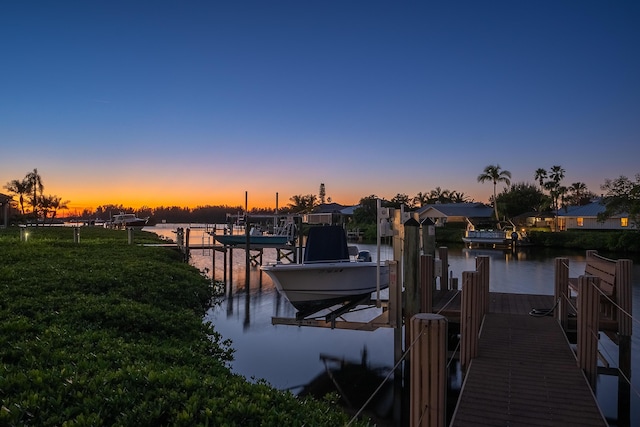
column 535, row 219
column 328, row 213
column 442, row 213
column 586, row 218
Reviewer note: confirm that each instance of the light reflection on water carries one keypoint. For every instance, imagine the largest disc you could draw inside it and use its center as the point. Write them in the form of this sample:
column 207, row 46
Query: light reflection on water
column 289, row 356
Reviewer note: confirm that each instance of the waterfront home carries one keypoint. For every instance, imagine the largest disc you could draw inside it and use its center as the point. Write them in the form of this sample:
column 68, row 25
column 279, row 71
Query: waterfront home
column 535, row 219
column 586, row 218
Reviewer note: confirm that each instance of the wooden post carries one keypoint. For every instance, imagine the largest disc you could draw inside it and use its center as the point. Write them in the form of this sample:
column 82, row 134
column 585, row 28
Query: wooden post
column 428, row 237
column 428, row 357
column 624, row 376
column 624, row 301
column 411, row 267
column 482, row 267
column 588, row 324
column 76, row 235
column 561, row 292
column 411, row 281
column 426, row 283
column 224, row 264
column 213, row 255
column 298, row 256
column 247, row 250
column 395, row 319
column 395, row 295
column 623, row 296
column 469, row 318
column 186, row 244
column 398, row 238
column 230, row 266
column 443, row 255
column 130, row 235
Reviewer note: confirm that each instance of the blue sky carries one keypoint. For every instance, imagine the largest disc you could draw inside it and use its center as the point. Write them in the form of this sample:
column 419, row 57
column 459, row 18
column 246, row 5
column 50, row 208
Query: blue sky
column 195, row 102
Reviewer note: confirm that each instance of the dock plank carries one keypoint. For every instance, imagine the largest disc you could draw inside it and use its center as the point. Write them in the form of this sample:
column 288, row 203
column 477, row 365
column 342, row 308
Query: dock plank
column 525, row 374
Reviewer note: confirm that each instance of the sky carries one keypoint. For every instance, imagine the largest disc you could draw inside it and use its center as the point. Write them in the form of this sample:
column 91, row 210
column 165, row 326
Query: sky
column 193, row 103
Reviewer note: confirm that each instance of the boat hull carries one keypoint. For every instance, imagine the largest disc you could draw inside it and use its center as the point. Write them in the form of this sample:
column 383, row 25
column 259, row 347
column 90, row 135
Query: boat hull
column 313, row 285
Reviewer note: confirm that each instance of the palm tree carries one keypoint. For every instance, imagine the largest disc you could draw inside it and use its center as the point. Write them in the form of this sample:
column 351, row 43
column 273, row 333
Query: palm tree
column 303, row 204
column 438, row 195
column 35, row 185
column 19, row 188
column 556, row 174
column 457, row 197
column 540, row 176
column 51, row 204
column 495, row 174
column 421, row 199
column 577, row 190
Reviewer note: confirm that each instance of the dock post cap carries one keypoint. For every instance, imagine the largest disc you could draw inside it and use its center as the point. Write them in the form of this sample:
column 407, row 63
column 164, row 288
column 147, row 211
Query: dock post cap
column 428, row 316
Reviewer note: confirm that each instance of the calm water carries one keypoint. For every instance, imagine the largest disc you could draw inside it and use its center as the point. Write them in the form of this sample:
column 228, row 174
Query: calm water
column 289, row 357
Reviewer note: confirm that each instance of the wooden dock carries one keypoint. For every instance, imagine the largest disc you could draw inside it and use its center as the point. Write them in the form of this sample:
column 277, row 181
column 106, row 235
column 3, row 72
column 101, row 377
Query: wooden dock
column 525, row 374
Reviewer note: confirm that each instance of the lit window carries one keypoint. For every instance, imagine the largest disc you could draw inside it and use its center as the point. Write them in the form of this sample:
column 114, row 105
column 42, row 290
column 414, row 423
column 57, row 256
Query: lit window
column 580, row 222
column 624, row 222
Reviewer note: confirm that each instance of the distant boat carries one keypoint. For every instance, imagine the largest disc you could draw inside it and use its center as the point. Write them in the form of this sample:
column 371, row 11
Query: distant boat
column 124, row 220
column 500, row 236
column 328, row 275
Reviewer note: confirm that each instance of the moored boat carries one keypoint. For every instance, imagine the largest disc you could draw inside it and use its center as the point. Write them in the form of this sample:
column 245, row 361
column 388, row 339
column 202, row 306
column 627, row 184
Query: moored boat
column 124, row 220
column 328, row 274
column 500, row 236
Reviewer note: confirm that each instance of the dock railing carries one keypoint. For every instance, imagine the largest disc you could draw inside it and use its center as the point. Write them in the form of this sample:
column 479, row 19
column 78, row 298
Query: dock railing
column 603, row 303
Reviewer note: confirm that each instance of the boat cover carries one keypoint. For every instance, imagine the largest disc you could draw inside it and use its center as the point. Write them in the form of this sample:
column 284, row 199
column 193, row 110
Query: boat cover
column 328, row 243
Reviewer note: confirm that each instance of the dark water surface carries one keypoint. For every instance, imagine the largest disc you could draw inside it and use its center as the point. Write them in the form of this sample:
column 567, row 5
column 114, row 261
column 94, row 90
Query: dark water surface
column 290, row 357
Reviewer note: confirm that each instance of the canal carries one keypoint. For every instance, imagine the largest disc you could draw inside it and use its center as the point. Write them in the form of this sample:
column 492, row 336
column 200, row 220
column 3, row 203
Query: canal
column 307, row 360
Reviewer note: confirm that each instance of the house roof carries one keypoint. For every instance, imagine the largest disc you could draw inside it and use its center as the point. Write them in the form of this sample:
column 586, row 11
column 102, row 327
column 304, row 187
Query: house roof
column 469, row 210
column 590, row 210
column 349, row 210
column 4, row 198
column 329, row 208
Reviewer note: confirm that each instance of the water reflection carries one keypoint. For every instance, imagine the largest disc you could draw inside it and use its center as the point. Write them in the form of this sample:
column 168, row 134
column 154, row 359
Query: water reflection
column 290, row 357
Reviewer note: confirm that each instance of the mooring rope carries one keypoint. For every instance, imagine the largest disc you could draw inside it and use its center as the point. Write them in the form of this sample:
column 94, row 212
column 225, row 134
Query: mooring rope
column 533, row 312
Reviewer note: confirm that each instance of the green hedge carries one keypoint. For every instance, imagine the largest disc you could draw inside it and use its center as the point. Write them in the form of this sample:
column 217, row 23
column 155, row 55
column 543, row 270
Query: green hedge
column 106, row 333
column 612, row 241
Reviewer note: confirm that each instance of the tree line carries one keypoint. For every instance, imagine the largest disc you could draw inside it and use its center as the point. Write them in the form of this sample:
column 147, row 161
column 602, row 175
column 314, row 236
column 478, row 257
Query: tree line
column 548, row 193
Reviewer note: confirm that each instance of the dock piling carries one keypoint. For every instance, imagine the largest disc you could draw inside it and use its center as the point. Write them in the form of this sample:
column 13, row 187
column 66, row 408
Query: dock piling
column 428, row 357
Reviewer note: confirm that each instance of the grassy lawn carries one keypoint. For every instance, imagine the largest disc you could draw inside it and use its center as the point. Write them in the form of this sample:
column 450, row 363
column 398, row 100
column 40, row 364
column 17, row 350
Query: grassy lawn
column 101, row 332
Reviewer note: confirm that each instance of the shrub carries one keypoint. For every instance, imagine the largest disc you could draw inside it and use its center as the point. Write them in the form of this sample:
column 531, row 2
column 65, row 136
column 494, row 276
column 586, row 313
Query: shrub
column 106, row 333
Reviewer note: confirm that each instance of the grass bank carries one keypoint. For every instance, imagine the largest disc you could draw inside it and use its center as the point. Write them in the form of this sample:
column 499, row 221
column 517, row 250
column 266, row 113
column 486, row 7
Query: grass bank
column 101, row 332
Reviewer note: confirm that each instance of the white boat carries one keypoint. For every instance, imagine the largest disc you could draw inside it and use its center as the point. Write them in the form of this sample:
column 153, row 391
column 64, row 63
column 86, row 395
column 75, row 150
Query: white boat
column 124, row 220
column 329, row 274
column 497, row 237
